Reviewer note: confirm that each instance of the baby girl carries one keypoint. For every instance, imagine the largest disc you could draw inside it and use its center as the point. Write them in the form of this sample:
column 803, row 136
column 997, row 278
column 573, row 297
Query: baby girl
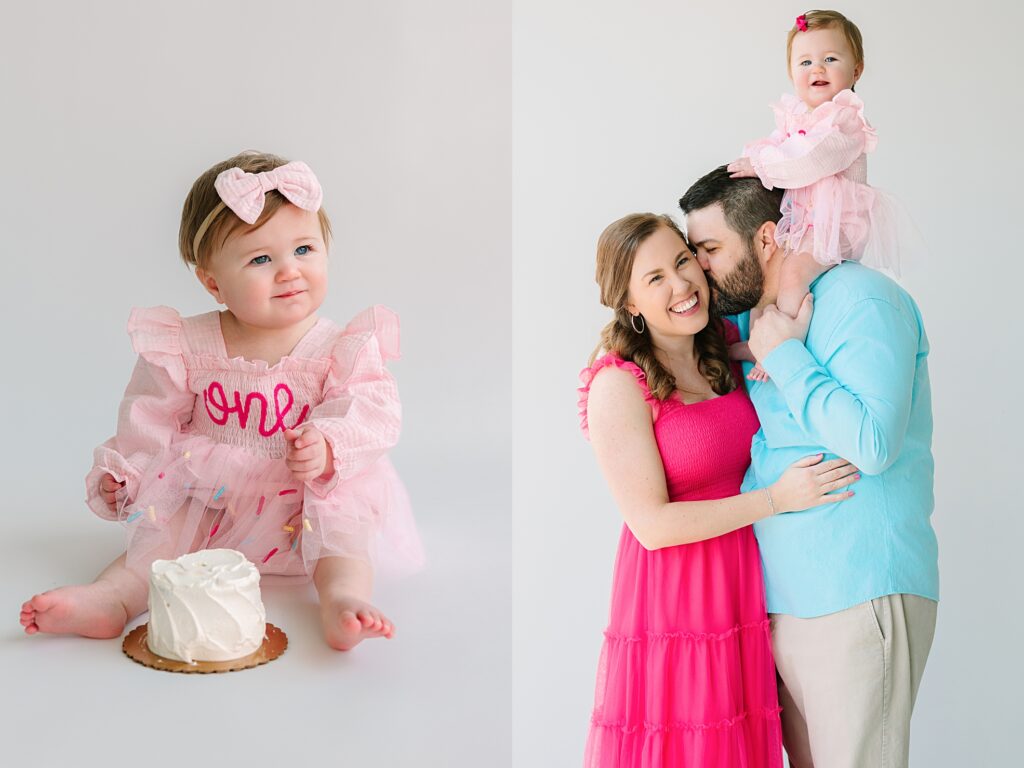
column 260, row 428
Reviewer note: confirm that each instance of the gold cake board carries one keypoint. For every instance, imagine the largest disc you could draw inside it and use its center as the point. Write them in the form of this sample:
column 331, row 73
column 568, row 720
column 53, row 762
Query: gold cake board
column 135, row 647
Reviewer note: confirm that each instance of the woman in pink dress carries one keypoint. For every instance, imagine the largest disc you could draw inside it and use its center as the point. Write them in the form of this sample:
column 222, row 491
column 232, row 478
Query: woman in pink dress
column 686, row 676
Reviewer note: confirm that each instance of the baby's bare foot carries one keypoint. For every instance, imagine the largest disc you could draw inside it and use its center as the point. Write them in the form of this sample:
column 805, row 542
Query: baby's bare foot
column 347, row 621
column 89, row 610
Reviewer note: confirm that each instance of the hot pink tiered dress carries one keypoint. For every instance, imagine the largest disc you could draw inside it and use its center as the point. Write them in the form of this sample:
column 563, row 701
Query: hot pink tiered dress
column 686, row 677
column 200, row 446
column 819, row 156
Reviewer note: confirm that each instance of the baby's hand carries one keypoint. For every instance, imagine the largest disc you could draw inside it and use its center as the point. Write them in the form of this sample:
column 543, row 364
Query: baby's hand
column 108, row 491
column 309, row 455
column 757, row 373
column 741, row 351
column 741, row 169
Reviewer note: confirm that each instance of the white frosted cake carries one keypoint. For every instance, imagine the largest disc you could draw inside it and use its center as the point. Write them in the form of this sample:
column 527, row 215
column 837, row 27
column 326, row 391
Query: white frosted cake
column 205, row 606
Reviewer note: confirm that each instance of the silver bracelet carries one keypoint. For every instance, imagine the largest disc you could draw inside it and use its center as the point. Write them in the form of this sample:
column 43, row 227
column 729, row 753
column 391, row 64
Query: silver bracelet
column 771, row 504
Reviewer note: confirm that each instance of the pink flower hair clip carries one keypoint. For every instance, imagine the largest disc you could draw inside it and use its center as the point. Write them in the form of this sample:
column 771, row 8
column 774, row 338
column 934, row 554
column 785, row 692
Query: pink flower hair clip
column 801, row 22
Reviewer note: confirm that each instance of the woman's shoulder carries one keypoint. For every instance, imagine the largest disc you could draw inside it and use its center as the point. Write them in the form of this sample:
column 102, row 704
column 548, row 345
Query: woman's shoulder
column 615, row 368
column 611, row 381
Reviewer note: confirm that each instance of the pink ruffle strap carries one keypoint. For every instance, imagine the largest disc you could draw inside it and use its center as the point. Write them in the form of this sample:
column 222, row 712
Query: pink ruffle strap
column 156, row 336
column 587, row 378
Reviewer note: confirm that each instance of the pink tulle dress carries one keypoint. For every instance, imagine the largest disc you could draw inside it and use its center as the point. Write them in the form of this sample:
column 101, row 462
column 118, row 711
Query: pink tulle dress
column 819, row 157
column 686, row 677
column 200, row 446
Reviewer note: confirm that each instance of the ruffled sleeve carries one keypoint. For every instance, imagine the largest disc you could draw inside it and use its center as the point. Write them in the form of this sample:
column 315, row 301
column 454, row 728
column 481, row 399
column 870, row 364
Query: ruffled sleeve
column 783, row 111
column 845, row 113
column 360, row 415
column 587, row 378
column 833, row 136
column 156, row 403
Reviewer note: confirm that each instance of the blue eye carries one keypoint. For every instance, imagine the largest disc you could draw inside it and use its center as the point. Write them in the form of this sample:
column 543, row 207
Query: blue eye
column 302, row 250
column 682, row 261
column 260, row 259
column 805, row 63
column 831, row 58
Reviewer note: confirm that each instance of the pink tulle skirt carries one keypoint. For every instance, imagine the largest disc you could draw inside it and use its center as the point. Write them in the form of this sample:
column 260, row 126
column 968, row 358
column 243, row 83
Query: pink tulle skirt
column 686, row 677
column 837, row 219
column 201, row 494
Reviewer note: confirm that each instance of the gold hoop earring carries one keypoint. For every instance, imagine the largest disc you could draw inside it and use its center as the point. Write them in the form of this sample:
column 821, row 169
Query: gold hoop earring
column 632, row 321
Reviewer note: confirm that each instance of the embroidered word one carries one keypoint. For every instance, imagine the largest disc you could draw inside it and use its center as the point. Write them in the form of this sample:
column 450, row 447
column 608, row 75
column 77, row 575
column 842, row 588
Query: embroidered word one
column 217, row 406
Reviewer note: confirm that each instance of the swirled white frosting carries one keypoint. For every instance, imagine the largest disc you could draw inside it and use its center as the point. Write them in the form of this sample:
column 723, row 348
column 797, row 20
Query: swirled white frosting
column 205, row 606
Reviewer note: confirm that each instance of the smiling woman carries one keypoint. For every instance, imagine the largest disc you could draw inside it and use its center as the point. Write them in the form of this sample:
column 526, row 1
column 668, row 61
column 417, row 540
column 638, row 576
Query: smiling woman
column 686, row 676
column 651, row 288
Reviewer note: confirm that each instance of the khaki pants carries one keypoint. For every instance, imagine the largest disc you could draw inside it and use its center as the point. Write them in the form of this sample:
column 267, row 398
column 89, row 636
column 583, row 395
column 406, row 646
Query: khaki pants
column 848, row 681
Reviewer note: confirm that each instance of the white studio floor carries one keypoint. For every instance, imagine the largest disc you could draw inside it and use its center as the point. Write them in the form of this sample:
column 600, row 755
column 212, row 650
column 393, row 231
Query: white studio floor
column 438, row 694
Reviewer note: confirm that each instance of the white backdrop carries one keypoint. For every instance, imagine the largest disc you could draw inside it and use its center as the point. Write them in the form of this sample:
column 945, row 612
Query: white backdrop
column 109, row 112
column 618, row 108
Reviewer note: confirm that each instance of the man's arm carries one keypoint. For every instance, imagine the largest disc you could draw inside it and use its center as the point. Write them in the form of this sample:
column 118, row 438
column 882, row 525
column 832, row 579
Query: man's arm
column 857, row 402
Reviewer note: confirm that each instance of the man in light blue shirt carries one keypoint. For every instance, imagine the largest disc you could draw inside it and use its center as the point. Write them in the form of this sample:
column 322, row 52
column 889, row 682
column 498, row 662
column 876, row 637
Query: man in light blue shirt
column 851, row 587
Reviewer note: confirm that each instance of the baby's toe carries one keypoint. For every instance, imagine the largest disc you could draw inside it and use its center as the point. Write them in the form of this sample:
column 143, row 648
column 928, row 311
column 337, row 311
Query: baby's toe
column 43, row 602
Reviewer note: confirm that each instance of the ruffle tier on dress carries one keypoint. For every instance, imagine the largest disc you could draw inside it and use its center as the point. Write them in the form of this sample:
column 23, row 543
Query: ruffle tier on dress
column 200, row 447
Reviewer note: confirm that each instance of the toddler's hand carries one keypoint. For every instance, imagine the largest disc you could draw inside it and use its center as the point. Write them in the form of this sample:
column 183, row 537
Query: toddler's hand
column 741, row 169
column 757, row 373
column 309, row 455
column 108, row 491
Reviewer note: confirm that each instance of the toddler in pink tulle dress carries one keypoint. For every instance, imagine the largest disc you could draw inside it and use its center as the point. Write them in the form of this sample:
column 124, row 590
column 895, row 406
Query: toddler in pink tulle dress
column 260, row 428
column 818, row 154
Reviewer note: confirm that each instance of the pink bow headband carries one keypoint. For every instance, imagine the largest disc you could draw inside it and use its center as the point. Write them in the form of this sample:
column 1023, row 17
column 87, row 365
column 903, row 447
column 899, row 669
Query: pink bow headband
column 244, row 193
column 801, row 22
